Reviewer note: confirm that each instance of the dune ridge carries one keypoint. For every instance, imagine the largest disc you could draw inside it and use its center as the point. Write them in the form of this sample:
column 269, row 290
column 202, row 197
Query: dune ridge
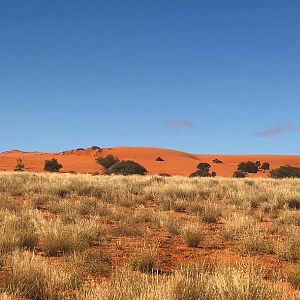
column 175, row 162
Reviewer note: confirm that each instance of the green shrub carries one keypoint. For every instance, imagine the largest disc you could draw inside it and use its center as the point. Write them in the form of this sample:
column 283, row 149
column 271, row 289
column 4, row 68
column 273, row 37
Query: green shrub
column 107, row 161
column 126, row 167
column 52, row 165
column 248, row 167
column 285, row 172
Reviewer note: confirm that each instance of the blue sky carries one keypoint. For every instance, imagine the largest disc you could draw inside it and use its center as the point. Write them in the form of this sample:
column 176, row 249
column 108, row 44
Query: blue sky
column 199, row 76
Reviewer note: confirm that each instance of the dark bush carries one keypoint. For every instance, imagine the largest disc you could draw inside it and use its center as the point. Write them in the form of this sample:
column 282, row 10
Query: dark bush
column 201, row 173
column 294, row 204
column 285, row 172
column 248, row 167
column 126, row 167
column 96, row 148
column 52, row 165
column 107, row 161
column 159, row 159
column 204, row 166
column 239, row 174
column 165, row 174
column 217, row 161
column 19, row 166
column 265, row 166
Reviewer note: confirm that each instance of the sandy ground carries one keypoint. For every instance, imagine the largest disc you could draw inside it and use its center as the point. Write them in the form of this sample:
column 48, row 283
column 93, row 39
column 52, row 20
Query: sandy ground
column 175, row 162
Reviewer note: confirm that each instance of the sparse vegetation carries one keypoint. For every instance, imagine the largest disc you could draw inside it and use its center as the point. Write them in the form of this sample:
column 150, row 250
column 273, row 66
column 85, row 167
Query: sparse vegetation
column 144, row 260
column 30, row 277
column 139, row 237
column 193, row 234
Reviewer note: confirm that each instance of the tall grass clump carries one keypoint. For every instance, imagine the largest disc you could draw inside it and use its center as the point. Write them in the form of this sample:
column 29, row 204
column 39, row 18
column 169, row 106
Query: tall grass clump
column 32, row 278
column 144, row 260
column 18, row 230
column 193, row 234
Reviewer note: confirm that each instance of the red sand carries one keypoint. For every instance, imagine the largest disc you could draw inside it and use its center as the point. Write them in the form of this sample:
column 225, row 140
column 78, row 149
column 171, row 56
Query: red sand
column 175, row 162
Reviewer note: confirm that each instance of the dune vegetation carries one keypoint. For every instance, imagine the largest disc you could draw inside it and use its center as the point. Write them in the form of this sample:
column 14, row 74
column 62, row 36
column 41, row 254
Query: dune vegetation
column 84, row 237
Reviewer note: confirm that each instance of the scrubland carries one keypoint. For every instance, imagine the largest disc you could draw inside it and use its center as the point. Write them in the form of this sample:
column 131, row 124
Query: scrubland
column 68, row 236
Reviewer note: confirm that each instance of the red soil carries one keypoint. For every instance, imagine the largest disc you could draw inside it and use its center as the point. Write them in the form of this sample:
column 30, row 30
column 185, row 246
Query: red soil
column 175, row 162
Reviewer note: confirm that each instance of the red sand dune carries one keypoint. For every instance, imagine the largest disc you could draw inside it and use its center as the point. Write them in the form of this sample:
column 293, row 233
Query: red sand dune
column 175, row 162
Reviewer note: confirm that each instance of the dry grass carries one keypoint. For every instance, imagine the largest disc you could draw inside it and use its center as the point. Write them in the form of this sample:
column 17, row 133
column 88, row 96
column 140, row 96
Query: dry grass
column 197, row 281
column 34, row 279
column 193, row 234
column 144, row 260
column 68, row 236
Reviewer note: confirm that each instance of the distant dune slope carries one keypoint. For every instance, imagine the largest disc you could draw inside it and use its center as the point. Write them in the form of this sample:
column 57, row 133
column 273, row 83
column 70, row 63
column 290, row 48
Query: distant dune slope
column 175, row 162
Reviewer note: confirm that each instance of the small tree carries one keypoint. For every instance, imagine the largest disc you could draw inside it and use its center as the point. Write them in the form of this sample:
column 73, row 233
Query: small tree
column 126, row 167
column 248, row 167
column 204, row 166
column 107, row 161
column 265, row 166
column 52, row 165
column 203, row 171
column 20, row 165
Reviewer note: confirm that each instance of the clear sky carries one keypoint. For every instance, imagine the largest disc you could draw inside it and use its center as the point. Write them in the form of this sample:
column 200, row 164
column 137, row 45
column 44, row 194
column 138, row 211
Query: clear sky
column 199, row 76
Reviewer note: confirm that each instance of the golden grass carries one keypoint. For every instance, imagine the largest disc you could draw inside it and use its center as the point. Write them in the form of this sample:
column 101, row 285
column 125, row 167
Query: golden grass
column 66, row 236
